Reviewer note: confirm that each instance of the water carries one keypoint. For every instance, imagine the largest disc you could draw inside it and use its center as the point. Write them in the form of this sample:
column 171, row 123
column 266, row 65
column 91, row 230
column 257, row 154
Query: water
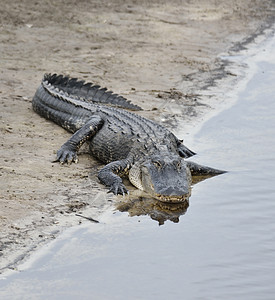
column 223, row 247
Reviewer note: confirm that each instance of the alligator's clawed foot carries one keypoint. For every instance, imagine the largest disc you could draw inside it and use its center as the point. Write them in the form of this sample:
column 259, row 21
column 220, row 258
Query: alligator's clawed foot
column 66, row 155
column 118, row 188
column 185, row 152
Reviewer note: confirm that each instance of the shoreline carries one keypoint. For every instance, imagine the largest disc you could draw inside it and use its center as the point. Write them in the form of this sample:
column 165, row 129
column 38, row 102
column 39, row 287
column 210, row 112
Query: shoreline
column 40, row 198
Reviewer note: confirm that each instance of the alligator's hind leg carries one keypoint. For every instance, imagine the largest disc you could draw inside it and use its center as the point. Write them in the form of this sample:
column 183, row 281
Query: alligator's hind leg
column 68, row 151
column 110, row 176
column 184, row 151
column 199, row 170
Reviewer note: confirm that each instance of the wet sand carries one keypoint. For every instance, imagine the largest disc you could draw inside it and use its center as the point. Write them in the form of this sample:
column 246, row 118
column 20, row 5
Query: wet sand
column 153, row 54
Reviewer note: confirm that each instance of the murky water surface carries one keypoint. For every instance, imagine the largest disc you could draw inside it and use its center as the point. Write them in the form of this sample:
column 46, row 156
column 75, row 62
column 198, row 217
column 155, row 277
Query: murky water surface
column 223, row 247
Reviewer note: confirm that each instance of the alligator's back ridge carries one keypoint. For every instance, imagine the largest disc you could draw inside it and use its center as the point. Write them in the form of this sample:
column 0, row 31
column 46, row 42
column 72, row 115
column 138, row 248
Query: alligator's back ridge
column 71, row 111
column 87, row 92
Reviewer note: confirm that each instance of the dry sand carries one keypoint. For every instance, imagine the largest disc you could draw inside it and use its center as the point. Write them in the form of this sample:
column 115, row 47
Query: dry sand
column 152, row 52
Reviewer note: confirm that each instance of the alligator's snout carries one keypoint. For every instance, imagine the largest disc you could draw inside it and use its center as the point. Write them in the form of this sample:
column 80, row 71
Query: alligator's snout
column 173, row 194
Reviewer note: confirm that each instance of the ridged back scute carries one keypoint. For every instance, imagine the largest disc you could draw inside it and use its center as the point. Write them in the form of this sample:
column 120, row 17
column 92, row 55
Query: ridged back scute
column 87, row 92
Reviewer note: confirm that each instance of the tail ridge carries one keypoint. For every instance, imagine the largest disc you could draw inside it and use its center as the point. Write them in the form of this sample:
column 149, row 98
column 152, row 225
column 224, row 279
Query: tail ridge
column 86, row 91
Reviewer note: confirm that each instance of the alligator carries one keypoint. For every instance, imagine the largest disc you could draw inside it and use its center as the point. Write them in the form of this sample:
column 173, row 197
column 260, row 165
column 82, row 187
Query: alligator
column 150, row 155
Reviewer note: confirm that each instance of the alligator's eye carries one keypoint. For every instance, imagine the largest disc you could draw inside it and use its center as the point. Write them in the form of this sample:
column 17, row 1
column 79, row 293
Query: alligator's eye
column 157, row 164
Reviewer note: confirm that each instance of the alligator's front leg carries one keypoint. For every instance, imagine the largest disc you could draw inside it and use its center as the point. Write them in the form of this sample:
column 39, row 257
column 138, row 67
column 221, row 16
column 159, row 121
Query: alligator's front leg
column 68, row 151
column 110, row 176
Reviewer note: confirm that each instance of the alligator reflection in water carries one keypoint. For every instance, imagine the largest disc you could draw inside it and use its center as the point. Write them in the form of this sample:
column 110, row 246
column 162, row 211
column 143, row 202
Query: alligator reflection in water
column 158, row 211
column 138, row 204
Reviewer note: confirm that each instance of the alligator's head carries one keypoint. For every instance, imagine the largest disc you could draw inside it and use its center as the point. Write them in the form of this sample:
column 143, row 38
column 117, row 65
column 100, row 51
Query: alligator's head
column 165, row 177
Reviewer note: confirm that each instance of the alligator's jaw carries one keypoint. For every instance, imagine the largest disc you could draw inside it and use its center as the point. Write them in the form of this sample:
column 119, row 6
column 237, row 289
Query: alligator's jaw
column 172, row 199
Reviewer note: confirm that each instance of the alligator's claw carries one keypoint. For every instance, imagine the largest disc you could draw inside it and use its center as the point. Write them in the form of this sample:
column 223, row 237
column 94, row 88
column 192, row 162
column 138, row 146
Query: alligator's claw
column 66, row 155
column 118, row 188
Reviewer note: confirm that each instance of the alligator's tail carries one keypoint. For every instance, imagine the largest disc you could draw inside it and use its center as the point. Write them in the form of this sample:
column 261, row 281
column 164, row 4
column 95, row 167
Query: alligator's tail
column 58, row 107
column 67, row 102
column 87, row 92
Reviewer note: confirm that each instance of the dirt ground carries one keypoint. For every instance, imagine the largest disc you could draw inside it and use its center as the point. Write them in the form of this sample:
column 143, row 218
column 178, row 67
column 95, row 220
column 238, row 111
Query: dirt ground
column 152, row 52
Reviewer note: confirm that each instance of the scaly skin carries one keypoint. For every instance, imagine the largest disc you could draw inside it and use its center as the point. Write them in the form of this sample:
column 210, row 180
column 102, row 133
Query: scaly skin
column 148, row 153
